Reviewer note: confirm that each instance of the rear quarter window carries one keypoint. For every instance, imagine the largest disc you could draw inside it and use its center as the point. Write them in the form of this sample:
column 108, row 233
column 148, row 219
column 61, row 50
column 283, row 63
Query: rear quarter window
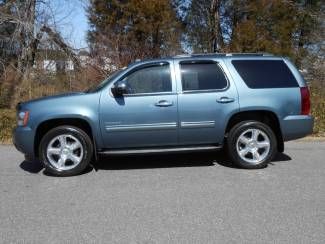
column 265, row 73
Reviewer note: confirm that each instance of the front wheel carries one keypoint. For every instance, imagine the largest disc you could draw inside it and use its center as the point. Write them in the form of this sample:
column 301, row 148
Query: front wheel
column 251, row 144
column 65, row 151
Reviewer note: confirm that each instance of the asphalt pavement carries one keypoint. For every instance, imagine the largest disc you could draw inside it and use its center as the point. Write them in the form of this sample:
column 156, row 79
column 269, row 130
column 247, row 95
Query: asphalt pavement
column 185, row 198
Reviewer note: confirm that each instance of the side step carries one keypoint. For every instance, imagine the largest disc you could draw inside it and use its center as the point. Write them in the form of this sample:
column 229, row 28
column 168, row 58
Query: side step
column 159, row 150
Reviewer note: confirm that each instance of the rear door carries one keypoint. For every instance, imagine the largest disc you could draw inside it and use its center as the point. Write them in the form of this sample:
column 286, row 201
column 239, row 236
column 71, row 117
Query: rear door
column 206, row 99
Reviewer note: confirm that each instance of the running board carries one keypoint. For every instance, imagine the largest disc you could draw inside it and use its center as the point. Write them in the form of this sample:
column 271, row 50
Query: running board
column 159, row 150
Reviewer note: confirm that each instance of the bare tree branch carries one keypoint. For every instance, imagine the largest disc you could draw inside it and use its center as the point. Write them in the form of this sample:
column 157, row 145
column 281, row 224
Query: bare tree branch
column 57, row 39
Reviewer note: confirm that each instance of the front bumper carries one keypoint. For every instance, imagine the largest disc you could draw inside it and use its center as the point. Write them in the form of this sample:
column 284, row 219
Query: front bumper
column 23, row 139
column 296, row 126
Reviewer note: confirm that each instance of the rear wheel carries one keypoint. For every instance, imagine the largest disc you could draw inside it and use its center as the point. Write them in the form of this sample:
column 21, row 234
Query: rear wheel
column 66, row 151
column 251, row 144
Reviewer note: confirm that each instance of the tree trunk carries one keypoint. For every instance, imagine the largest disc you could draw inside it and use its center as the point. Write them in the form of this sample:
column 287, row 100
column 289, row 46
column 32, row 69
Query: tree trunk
column 217, row 39
column 28, row 46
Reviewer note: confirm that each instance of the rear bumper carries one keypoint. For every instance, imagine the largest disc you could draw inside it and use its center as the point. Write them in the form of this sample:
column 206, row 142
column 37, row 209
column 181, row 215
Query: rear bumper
column 23, row 139
column 296, row 126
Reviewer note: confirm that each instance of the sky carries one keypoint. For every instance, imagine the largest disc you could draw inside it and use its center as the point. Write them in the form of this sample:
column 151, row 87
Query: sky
column 71, row 20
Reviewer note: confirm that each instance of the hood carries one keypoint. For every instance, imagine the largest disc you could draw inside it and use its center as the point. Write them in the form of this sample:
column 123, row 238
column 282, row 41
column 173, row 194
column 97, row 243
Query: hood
column 48, row 98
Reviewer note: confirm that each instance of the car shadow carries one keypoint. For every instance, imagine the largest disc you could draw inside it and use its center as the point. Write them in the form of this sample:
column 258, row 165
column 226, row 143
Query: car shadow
column 197, row 159
column 280, row 157
column 33, row 167
column 154, row 161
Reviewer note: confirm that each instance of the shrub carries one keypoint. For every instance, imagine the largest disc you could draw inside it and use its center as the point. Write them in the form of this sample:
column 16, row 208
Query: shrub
column 318, row 111
column 7, row 123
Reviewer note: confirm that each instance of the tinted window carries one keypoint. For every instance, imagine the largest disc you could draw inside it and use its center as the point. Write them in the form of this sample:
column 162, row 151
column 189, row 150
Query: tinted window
column 150, row 79
column 202, row 76
column 265, row 73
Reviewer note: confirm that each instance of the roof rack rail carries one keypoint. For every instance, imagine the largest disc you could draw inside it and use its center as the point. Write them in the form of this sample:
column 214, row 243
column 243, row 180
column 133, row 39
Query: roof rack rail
column 198, row 55
column 248, row 54
column 183, row 55
column 221, row 54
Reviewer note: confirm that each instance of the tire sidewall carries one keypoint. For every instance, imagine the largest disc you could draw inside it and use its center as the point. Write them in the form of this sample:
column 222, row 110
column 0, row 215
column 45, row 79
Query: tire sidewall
column 68, row 130
column 234, row 134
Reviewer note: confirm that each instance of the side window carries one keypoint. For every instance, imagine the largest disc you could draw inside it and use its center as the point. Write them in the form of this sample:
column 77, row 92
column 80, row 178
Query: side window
column 202, row 76
column 150, row 79
column 265, row 73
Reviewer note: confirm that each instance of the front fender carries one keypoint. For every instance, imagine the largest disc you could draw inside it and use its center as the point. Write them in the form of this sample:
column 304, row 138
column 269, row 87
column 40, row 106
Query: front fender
column 83, row 107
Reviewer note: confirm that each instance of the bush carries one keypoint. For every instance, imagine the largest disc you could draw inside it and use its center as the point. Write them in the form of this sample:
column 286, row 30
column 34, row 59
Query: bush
column 318, row 111
column 7, row 123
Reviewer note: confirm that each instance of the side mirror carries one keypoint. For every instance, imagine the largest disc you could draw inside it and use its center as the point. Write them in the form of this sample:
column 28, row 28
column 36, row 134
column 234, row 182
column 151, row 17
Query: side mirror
column 119, row 88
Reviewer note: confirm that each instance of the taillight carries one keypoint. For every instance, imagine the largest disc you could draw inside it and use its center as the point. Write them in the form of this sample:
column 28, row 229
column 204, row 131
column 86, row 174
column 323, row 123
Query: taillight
column 305, row 101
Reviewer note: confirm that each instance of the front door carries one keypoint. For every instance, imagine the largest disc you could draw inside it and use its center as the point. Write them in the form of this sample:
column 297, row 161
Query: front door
column 147, row 115
column 205, row 101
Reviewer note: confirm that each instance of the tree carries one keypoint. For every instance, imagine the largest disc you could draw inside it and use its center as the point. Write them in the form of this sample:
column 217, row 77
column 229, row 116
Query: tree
column 204, row 25
column 26, row 35
column 7, row 47
column 267, row 27
column 126, row 30
column 275, row 26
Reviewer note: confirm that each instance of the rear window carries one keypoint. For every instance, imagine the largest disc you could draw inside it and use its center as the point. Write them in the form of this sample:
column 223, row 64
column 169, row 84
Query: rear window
column 265, row 73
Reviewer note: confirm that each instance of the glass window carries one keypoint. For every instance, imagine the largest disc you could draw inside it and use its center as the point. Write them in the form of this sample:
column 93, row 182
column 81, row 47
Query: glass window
column 202, row 76
column 265, row 73
column 151, row 79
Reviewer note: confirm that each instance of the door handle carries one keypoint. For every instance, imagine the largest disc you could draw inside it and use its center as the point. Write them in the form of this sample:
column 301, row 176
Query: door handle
column 225, row 100
column 164, row 103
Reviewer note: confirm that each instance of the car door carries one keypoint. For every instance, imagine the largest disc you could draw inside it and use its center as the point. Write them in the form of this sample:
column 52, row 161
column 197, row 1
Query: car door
column 206, row 100
column 147, row 115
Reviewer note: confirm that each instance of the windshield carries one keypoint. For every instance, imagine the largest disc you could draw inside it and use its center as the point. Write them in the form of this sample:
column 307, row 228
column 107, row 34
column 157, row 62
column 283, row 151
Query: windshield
column 96, row 88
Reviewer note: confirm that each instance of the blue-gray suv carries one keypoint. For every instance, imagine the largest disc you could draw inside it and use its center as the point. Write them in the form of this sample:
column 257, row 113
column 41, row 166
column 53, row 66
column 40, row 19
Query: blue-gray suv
column 248, row 103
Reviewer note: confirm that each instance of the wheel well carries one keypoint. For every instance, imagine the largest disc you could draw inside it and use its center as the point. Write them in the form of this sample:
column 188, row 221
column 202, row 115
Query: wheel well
column 45, row 126
column 266, row 117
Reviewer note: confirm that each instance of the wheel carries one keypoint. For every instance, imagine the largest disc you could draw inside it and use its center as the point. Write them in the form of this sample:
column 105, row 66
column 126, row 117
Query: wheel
column 65, row 151
column 251, row 144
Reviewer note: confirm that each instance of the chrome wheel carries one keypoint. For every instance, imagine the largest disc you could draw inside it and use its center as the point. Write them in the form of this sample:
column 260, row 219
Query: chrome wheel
column 64, row 152
column 253, row 146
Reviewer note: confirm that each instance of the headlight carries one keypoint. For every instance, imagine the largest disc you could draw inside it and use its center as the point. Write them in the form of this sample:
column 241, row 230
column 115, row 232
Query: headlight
column 22, row 118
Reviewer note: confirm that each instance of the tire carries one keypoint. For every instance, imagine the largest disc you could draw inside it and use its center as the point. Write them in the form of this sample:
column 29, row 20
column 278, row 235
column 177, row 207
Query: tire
column 251, row 144
column 65, row 151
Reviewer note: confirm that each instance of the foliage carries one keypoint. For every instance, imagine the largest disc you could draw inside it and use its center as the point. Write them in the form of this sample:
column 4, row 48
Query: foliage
column 274, row 26
column 127, row 30
column 318, row 111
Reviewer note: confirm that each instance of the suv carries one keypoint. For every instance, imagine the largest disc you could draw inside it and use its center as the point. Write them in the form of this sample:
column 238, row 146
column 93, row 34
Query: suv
column 248, row 103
